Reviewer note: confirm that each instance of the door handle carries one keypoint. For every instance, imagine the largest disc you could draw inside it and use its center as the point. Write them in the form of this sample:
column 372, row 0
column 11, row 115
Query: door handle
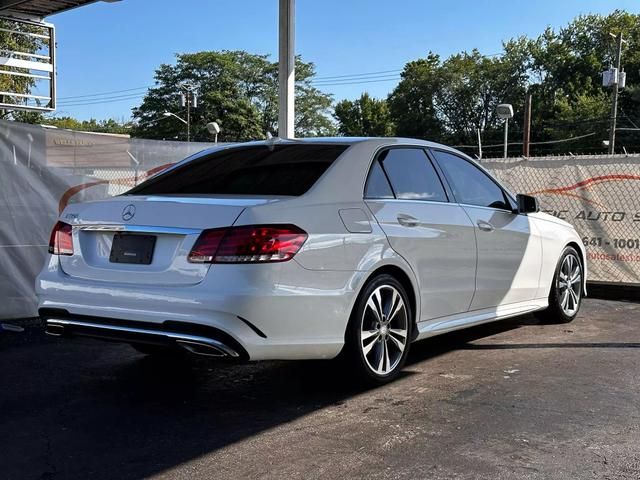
column 407, row 220
column 485, row 226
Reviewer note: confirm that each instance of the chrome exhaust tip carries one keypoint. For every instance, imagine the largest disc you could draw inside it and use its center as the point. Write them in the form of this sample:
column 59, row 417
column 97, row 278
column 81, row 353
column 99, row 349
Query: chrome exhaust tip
column 54, row 329
column 199, row 348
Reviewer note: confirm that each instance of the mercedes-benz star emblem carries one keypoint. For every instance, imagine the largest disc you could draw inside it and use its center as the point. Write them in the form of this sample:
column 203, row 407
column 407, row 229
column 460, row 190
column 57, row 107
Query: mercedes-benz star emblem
column 129, row 212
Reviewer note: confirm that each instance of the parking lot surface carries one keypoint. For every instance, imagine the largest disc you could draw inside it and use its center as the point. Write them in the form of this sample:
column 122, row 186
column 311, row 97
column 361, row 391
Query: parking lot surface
column 513, row 399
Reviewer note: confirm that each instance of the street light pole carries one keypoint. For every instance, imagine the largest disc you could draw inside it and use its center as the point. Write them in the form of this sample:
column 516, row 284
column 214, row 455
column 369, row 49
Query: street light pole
column 506, row 136
column 526, row 136
column 186, row 122
column 505, row 112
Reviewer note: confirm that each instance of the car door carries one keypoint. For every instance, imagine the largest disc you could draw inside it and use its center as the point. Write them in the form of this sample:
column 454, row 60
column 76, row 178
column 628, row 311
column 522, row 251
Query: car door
column 509, row 247
column 434, row 235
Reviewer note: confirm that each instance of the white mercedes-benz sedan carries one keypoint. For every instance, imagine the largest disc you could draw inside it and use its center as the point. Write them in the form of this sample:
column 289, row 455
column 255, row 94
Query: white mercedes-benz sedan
column 308, row 249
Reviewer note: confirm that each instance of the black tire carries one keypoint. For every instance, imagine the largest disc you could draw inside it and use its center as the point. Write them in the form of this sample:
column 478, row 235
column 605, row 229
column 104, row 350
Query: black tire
column 158, row 351
column 362, row 317
column 556, row 313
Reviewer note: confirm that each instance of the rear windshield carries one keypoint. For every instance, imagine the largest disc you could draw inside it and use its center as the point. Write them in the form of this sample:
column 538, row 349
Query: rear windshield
column 254, row 170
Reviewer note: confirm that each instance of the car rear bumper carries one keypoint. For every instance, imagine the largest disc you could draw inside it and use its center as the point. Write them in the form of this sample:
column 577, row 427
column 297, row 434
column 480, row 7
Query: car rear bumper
column 264, row 312
column 194, row 338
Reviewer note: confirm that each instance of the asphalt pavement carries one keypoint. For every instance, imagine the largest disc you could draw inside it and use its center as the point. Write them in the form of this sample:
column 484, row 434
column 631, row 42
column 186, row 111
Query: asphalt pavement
column 513, row 399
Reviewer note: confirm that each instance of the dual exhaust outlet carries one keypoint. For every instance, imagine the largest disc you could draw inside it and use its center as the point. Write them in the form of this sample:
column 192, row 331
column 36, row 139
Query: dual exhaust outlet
column 194, row 344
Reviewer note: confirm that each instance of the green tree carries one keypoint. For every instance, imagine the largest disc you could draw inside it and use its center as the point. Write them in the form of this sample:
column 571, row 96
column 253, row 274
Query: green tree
column 472, row 86
column 238, row 90
column 411, row 104
column 364, row 117
column 93, row 125
column 450, row 100
column 565, row 77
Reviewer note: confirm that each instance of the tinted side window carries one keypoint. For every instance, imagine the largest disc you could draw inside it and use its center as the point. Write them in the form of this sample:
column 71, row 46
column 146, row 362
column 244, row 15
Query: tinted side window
column 412, row 176
column 377, row 183
column 470, row 185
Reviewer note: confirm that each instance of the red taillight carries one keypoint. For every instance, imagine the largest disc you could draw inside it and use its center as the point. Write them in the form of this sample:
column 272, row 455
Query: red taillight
column 204, row 251
column 61, row 240
column 252, row 244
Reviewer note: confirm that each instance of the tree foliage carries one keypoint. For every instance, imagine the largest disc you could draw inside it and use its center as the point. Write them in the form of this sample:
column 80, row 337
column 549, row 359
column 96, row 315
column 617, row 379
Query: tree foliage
column 411, row 104
column 451, row 100
column 238, row 90
column 100, row 126
column 364, row 117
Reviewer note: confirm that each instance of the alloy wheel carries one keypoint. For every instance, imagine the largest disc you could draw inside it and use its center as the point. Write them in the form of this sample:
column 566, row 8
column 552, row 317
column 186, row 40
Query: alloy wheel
column 570, row 285
column 384, row 329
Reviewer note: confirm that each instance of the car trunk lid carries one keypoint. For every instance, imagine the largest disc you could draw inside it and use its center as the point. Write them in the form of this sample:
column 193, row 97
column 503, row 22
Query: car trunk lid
column 146, row 240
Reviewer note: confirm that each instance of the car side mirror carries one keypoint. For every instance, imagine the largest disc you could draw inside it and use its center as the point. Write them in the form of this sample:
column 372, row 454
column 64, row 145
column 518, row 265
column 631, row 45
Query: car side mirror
column 527, row 204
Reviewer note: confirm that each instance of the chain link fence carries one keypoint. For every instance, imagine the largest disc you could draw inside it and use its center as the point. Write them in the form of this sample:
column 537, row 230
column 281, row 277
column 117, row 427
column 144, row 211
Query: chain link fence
column 598, row 194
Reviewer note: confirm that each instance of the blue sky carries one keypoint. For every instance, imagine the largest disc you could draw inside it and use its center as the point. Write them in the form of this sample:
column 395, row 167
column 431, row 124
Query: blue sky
column 108, row 47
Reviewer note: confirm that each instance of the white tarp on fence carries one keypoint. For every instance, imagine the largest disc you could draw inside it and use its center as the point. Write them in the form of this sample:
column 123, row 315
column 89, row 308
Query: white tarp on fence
column 599, row 195
column 42, row 169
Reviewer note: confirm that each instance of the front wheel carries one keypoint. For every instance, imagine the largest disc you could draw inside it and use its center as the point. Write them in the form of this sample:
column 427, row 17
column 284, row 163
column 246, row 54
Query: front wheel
column 566, row 291
column 379, row 331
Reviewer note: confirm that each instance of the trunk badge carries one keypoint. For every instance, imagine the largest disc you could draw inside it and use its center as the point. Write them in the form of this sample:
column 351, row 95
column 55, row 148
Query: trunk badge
column 129, row 212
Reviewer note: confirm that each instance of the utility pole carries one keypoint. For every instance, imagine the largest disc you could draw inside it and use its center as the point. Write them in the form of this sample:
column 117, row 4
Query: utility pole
column 614, row 102
column 526, row 140
column 188, row 118
column 189, row 98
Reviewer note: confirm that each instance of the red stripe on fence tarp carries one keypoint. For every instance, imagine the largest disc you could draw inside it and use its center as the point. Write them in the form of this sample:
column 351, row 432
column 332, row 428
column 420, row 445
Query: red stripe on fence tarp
column 66, row 196
column 589, row 182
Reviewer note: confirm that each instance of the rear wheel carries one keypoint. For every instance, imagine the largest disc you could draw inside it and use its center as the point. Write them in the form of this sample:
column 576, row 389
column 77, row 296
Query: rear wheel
column 379, row 331
column 566, row 291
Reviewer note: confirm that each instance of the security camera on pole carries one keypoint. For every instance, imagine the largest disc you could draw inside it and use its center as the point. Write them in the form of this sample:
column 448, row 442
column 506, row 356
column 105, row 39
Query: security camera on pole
column 505, row 112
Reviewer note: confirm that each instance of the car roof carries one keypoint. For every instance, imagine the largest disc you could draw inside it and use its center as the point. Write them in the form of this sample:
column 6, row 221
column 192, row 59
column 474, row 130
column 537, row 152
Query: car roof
column 374, row 141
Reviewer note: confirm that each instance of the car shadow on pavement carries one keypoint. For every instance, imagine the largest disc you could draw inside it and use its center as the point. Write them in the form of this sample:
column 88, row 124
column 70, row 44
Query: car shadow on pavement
column 84, row 409
column 460, row 340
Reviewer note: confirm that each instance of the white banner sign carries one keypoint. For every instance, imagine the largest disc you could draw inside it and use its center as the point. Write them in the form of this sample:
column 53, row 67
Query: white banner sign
column 599, row 195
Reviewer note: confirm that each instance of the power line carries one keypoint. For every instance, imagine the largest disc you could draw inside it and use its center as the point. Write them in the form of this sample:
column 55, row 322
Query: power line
column 103, row 93
column 563, row 140
column 326, row 80
column 119, row 98
column 114, row 97
column 575, row 122
column 383, row 75
column 368, row 77
column 101, row 101
column 334, row 77
column 546, row 142
column 372, row 80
